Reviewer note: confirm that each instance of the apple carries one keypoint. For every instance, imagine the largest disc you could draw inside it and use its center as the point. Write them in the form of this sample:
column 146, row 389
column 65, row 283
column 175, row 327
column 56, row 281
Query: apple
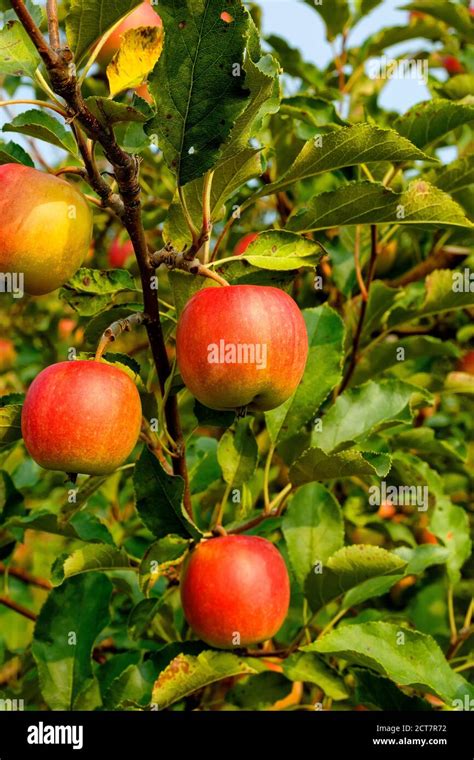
column 453, row 65
column 235, row 591
column 119, row 253
column 244, row 243
column 45, row 230
column 241, row 346
column 81, row 417
column 143, row 15
column 7, row 354
column 466, row 364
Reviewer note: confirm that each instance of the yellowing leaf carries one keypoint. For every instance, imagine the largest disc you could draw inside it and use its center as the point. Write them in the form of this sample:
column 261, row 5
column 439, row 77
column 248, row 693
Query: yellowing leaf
column 138, row 53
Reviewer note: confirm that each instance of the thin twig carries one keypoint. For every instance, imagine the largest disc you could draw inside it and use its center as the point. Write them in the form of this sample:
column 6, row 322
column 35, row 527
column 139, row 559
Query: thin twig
column 7, row 602
column 363, row 310
column 24, row 575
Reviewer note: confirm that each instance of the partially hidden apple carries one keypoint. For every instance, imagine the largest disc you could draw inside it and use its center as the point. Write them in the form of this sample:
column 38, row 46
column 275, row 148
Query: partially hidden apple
column 119, row 252
column 143, row 15
column 466, row 364
column 45, row 229
column 453, row 65
column 244, row 243
column 81, row 417
column 7, row 354
column 235, row 591
column 241, row 346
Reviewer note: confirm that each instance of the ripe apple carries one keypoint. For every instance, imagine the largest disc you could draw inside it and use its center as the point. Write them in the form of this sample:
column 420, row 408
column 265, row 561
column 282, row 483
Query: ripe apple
column 143, row 15
column 235, row 591
column 244, row 243
column 241, row 346
column 7, row 354
column 45, row 230
column 453, row 65
column 466, row 364
column 119, row 252
column 81, row 417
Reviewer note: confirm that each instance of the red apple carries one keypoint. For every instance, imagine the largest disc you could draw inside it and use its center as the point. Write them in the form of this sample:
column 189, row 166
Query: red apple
column 119, row 252
column 466, row 364
column 143, row 15
column 241, row 346
column 244, row 243
column 81, row 417
column 453, row 65
column 235, row 591
column 7, row 354
column 45, row 229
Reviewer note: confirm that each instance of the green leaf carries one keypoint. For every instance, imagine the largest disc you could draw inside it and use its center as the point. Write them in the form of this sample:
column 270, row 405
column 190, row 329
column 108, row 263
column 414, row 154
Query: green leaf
column 349, row 568
column 10, row 424
column 167, row 551
column 317, row 112
column 458, row 87
column 12, row 153
column 159, row 499
column 197, row 93
column 379, row 693
column 409, row 658
column 11, row 500
column 443, row 290
column 310, row 668
column 237, row 453
column 83, row 525
column 335, row 15
column 372, row 203
column 111, row 112
column 382, row 356
column 186, row 674
column 455, row 15
column 87, row 20
column 322, row 373
column 43, row 126
column 313, row 528
column 282, row 251
column 132, row 688
column 422, row 557
column 90, row 291
column 18, row 55
column 393, row 35
column 315, row 464
column 429, row 121
column 92, row 557
column 259, row 692
column 69, row 622
column 359, row 411
column 348, row 146
column 457, row 179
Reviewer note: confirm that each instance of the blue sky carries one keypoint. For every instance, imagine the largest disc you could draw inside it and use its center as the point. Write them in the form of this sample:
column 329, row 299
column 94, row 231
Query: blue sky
column 303, row 28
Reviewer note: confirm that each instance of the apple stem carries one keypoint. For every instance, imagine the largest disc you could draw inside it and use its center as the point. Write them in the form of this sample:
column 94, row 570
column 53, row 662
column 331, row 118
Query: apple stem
column 117, row 328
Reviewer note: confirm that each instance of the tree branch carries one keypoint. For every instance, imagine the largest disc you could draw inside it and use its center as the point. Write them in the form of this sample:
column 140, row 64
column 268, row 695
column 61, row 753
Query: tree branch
column 53, row 24
column 24, row 575
column 126, row 170
column 7, row 602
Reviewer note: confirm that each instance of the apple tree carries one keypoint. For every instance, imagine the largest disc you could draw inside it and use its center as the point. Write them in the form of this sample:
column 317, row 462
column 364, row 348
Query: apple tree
column 236, row 359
